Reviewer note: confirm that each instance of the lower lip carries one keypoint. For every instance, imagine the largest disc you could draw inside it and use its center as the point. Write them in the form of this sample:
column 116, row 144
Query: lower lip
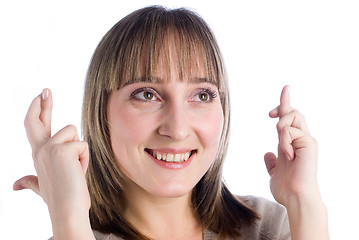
column 173, row 165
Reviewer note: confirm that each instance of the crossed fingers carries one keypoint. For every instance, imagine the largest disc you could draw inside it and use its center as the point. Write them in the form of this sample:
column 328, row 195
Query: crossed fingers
column 38, row 119
column 291, row 125
column 49, row 150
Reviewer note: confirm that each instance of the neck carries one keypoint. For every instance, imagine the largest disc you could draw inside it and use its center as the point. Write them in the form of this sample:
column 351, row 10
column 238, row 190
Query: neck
column 160, row 217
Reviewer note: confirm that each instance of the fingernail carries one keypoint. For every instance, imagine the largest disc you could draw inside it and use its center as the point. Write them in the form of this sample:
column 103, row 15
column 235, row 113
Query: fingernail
column 45, row 94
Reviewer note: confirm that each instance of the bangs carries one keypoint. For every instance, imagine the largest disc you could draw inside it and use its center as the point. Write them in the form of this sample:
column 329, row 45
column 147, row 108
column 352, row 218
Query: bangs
column 173, row 42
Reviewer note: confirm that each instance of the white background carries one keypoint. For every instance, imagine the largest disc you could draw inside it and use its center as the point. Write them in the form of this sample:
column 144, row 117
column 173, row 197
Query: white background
column 311, row 45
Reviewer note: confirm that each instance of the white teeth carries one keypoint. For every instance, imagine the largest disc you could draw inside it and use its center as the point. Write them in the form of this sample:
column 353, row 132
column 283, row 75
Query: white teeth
column 169, row 157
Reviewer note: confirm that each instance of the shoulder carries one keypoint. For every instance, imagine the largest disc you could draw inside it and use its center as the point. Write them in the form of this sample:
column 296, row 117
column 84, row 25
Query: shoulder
column 273, row 223
column 102, row 236
column 264, row 206
column 105, row 236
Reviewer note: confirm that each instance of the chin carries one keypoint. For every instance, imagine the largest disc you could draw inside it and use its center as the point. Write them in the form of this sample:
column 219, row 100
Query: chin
column 171, row 191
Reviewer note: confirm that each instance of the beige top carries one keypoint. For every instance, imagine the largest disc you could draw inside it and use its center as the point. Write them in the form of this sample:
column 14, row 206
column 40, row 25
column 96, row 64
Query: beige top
column 273, row 225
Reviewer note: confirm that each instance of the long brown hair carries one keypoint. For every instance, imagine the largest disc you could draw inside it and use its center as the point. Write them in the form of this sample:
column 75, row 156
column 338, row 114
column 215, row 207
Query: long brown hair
column 127, row 52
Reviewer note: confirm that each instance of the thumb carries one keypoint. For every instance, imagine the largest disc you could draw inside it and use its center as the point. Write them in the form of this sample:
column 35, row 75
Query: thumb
column 27, row 182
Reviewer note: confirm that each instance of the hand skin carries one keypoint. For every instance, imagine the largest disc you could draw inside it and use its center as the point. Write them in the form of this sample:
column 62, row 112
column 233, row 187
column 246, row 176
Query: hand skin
column 61, row 162
column 294, row 173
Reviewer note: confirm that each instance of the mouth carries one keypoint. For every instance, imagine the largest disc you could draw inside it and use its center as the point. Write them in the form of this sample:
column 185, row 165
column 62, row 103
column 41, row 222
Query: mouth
column 177, row 157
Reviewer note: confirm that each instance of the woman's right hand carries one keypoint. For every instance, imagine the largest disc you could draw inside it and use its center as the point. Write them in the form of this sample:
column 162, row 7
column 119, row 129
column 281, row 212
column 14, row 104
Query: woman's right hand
column 61, row 162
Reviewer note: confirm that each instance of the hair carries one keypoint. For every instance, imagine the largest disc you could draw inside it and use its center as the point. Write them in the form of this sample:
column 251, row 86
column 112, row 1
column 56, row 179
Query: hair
column 130, row 52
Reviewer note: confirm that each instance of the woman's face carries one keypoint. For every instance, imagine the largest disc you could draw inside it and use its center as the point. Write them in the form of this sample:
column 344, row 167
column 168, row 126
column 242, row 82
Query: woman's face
column 165, row 135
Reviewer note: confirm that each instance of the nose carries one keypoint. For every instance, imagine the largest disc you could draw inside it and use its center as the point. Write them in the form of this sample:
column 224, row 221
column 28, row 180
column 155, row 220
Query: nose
column 175, row 122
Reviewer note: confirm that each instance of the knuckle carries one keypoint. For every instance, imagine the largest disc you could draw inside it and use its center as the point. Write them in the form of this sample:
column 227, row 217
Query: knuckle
column 38, row 153
column 280, row 124
column 296, row 113
column 27, row 121
column 292, row 113
column 285, row 129
column 28, row 184
column 71, row 128
column 35, row 154
column 56, row 149
column 314, row 140
column 86, row 145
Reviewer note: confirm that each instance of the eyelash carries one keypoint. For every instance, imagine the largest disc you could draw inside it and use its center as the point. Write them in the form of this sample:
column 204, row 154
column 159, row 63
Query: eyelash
column 140, row 90
column 212, row 94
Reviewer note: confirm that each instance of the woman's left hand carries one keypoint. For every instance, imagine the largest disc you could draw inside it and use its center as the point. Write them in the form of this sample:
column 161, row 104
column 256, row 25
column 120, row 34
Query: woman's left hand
column 294, row 172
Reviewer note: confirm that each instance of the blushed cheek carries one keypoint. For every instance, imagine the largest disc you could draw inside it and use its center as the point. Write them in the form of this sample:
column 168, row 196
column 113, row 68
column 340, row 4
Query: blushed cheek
column 132, row 127
column 210, row 129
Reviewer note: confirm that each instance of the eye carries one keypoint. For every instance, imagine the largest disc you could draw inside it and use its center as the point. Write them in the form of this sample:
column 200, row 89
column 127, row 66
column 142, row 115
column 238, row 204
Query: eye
column 147, row 95
column 204, row 95
column 144, row 94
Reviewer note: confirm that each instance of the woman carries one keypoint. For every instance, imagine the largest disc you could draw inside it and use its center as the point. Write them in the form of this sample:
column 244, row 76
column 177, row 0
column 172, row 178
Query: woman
column 155, row 125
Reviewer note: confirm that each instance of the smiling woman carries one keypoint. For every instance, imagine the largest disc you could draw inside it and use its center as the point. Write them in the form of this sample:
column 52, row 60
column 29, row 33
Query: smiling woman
column 173, row 124
column 155, row 123
column 174, row 60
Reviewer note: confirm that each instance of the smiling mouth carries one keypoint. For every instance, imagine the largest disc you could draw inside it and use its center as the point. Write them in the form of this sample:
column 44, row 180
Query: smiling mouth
column 171, row 157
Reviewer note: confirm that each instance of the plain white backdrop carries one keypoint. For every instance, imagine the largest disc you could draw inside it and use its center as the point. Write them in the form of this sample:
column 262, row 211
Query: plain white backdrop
column 311, row 45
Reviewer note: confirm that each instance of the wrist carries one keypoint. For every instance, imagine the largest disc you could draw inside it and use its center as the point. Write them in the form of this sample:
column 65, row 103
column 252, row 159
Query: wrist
column 307, row 198
column 71, row 225
column 308, row 217
column 306, row 208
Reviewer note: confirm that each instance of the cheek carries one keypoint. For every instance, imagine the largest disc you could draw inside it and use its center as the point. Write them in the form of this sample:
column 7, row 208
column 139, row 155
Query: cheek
column 130, row 126
column 209, row 129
